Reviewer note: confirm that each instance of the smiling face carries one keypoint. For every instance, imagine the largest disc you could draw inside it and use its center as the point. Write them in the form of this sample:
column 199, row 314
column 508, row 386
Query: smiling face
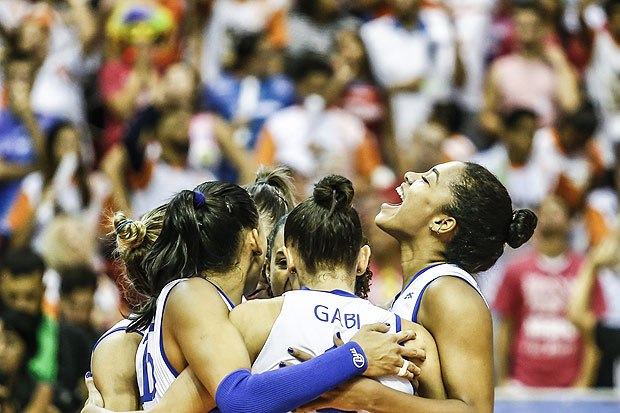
column 424, row 195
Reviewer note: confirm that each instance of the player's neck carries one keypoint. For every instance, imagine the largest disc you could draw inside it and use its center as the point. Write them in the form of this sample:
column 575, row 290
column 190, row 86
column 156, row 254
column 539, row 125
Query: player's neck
column 414, row 258
column 329, row 281
column 231, row 283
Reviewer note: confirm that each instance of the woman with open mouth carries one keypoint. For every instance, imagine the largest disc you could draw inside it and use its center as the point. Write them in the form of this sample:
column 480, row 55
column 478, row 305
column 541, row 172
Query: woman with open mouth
column 453, row 221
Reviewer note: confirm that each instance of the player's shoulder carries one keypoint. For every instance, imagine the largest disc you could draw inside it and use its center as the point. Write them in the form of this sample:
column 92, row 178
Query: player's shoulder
column 453, row 294
column 196, row 294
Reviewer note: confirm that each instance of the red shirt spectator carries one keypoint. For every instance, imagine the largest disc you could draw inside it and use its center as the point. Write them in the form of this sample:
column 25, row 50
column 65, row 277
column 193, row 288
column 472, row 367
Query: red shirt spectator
column 547, row 349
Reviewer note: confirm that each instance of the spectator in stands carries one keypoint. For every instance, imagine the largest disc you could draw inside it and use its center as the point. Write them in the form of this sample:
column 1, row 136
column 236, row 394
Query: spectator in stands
column 229, row 19
column 604, row 261
column 65, row 186
column 76, row 336
column 537, row 344
column 21, row 289
column 472, row 29
column 128, row 79
column 171, row 146
column 603, row 73
column 576, row 160
column 603, row 205
column 18, row 344
column 247, row 94
column 353, row 86
column 314, row 25
column 412, row 57
column 64, row 44
column 535, row 77
column 437, row 140
column 526, row 173
column 314, row 139
column 22, row 145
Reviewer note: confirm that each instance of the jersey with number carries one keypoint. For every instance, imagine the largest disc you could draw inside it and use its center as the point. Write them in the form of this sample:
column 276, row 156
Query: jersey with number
column 407, row 303
column 308, row 321
column 153, row 369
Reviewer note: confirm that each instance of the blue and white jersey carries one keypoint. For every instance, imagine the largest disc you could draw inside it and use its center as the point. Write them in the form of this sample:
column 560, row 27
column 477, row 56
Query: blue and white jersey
column 153, row 369
column 120, row 326
column 407, row 303
column 308, row 321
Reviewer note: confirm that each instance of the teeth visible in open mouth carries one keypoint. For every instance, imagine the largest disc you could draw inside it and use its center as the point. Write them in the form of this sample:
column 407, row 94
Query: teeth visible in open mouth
column 399, row 190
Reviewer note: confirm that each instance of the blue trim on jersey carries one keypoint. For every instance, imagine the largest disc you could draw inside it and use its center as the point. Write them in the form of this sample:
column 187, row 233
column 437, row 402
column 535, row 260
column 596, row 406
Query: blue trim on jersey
column 335, row 292
column 398, row 330
column 414, row 277
column 414, row 316
column 105, row 335
column 161, row 337
column 221, row 292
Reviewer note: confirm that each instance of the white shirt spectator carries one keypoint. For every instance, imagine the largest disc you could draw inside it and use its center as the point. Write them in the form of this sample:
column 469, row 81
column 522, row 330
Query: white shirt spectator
column 63, row 68
column 527, row 184
column 472, row 19
column 603, row 78
column 399, row 56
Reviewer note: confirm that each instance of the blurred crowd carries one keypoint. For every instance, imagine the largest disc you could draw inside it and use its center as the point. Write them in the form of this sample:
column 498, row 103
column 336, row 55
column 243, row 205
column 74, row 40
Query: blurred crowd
column 111, row 105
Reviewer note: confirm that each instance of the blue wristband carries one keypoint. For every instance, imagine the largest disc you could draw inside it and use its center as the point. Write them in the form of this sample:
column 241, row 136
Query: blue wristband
column 290, row 387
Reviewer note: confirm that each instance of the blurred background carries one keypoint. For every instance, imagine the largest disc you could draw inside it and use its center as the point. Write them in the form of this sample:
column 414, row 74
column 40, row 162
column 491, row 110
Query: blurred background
column 112, row 105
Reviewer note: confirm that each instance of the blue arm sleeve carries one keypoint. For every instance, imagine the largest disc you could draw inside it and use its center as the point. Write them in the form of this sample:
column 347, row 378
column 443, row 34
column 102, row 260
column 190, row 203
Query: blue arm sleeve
column 285, row 389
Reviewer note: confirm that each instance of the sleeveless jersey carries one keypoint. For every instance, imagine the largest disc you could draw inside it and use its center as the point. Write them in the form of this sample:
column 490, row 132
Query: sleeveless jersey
column 153, row 369
column 309, row 319
column 407, row 303
column 120, row 326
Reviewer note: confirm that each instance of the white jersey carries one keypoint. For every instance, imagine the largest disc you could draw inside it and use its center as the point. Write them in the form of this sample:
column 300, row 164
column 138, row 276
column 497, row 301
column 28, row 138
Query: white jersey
column 407, row 303
column 153, row 369
column 120, row 326
column 309, row 319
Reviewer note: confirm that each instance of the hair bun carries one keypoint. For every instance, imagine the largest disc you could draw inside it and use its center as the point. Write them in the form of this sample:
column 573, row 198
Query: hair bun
column 522, row 227
column 334, row 192
column 129, row 234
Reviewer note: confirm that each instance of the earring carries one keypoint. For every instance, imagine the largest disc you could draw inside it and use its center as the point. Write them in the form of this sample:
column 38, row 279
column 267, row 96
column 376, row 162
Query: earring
column 257, row 253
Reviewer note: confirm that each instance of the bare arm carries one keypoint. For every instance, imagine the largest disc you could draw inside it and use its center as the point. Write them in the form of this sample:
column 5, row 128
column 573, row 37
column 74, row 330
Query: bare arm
column 114, row 371
column 86, row 23
column 41, row 399
column 114, row 166
column 504, row 349
column 579, row 310
column 241, row 158
column 567, row 86
column 465, row 345
column 10, row 171
column 457, row 317
column 589, row 362
column 490, row 121
column 254, row 320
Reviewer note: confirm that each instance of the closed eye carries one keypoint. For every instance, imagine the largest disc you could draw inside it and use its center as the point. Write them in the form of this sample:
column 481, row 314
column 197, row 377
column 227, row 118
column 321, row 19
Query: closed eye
column 426, row 181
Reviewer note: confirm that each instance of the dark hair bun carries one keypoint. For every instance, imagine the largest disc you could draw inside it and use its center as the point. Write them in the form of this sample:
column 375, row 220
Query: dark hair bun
column 334, row 192
column 521, row 227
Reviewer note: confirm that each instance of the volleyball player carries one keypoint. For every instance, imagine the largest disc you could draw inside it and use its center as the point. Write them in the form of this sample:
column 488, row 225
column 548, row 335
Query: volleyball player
column 328, row 223
column 113, row 357
column 210, row 243
column 453, row 222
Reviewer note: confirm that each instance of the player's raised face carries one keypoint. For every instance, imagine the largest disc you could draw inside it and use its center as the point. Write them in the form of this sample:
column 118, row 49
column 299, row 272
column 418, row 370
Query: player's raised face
column 424, row 196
